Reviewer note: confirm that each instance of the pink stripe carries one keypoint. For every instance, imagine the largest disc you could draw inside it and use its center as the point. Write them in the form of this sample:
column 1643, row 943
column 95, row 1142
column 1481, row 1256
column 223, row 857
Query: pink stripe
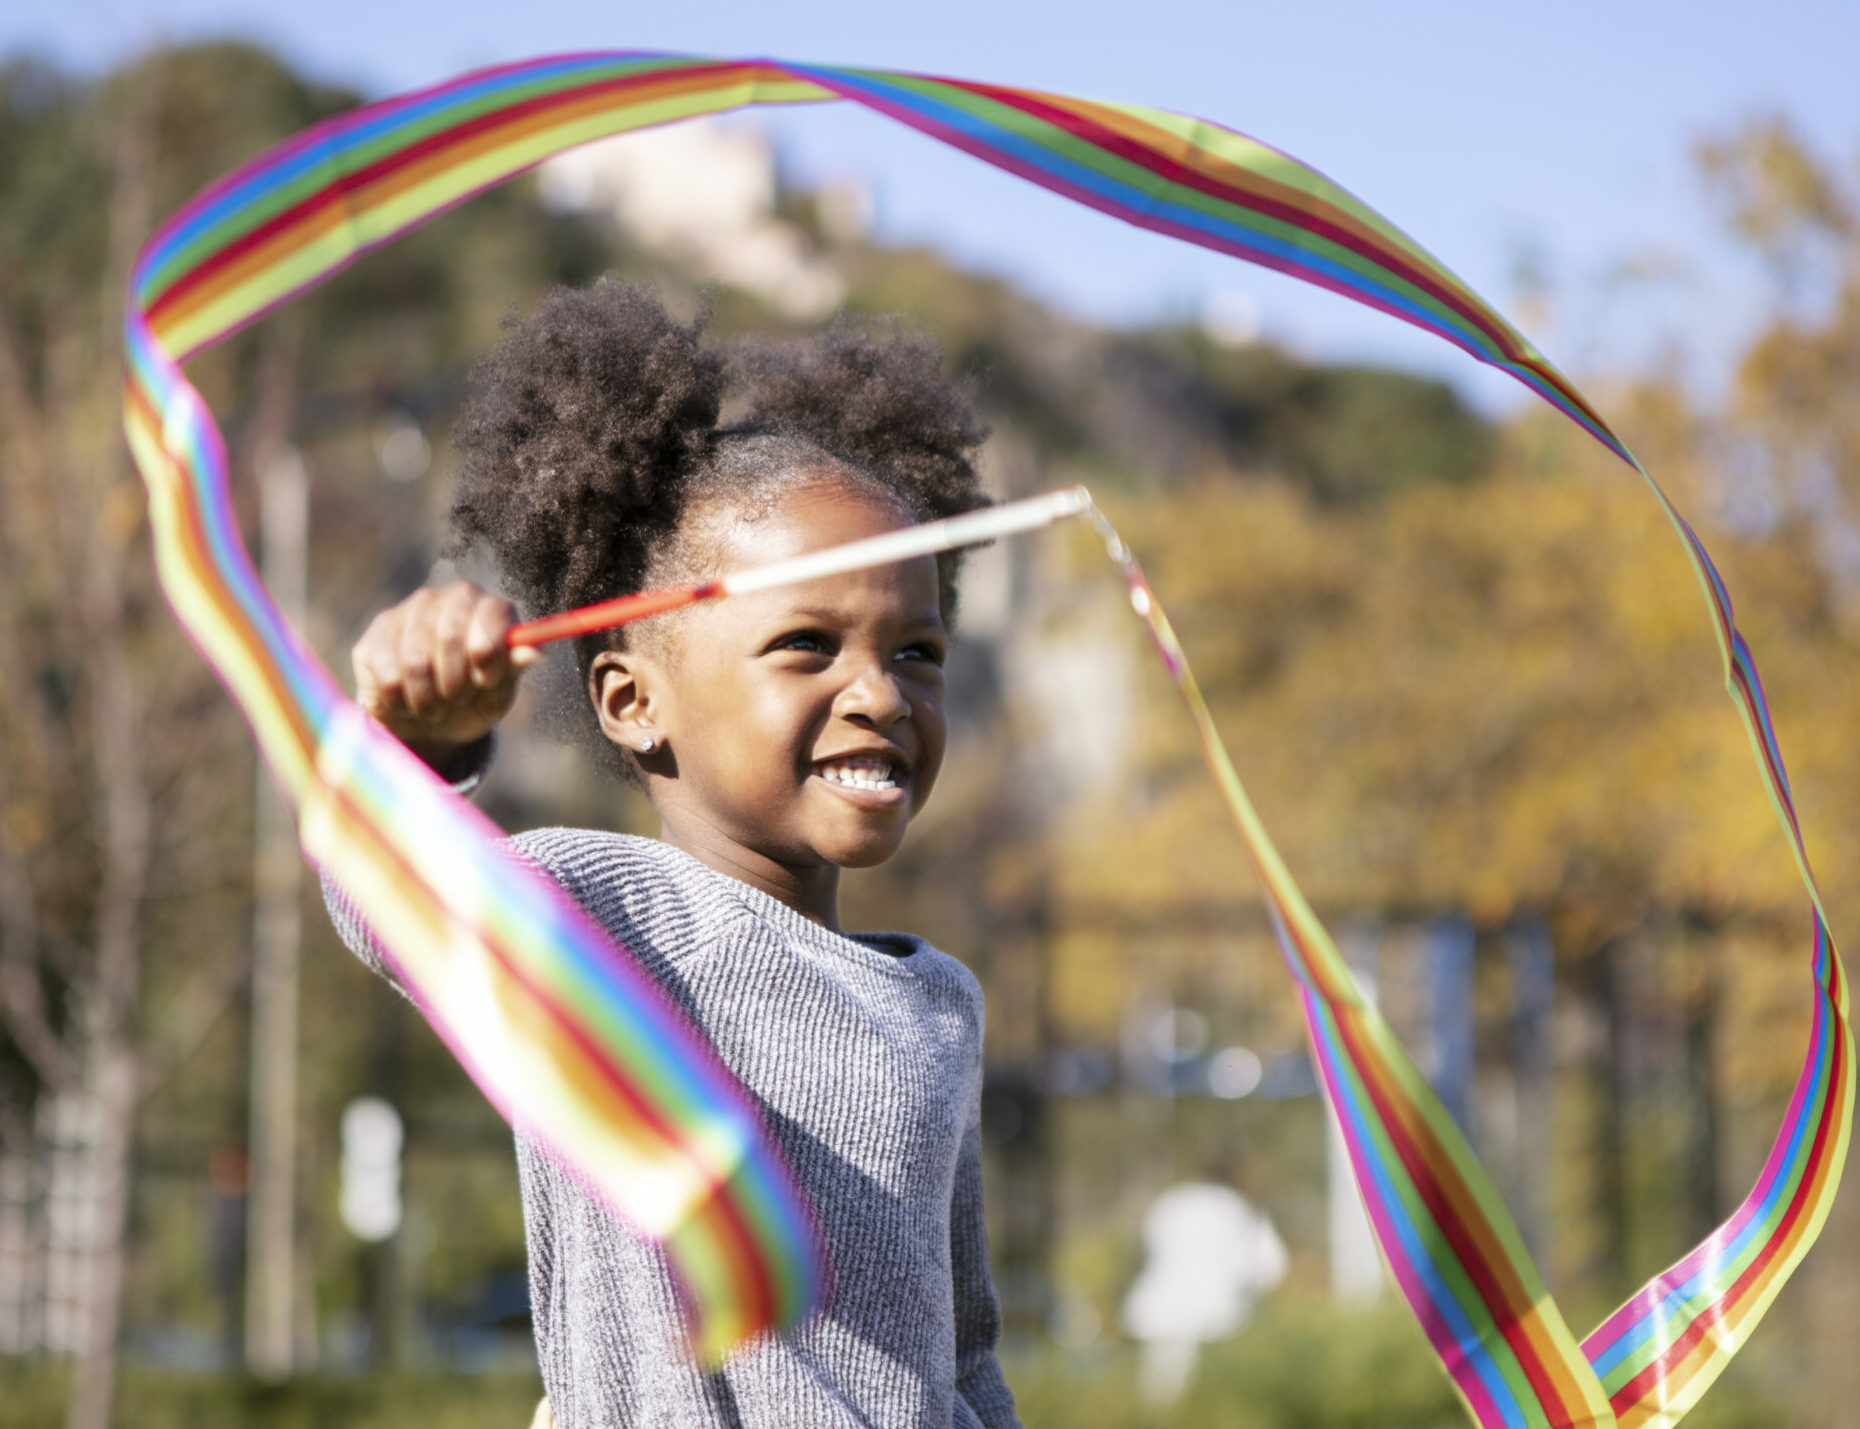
column 274, row 156
column 1087, row 198
column 1642, row 1304
column 1420, row 1300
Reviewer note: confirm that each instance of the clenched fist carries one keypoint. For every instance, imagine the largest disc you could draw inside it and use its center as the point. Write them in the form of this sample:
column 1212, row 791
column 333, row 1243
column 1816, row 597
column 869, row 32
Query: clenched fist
column 436, row 669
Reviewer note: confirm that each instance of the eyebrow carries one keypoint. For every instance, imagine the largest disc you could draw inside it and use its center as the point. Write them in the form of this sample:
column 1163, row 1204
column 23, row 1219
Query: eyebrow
column 927, row 616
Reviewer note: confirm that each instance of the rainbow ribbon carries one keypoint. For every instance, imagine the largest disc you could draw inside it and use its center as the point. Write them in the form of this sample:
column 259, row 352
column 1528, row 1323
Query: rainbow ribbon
column 553, row 1022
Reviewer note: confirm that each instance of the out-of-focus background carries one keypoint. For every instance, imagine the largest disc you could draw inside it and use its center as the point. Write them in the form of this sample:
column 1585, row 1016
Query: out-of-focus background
column 1453, row 646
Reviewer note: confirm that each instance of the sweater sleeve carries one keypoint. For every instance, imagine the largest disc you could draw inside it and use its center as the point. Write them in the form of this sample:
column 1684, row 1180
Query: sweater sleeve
column 982, row 1396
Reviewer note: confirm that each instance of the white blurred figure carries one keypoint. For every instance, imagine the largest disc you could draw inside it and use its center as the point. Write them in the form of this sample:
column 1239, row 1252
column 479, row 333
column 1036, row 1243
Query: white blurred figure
column 1209, row 1255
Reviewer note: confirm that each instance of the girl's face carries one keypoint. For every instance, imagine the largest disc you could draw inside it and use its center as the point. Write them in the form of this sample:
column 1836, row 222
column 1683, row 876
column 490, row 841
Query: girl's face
column 798, row 730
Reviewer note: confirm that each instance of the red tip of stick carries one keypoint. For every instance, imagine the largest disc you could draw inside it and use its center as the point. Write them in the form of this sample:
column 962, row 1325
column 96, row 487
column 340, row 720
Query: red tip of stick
column 608, row 614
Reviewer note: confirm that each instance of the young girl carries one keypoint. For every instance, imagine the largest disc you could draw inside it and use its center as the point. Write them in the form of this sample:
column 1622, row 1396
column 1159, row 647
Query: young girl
column 781, row 737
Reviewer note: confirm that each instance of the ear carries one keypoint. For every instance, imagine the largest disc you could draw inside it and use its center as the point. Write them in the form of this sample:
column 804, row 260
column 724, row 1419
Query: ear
column 625, row 689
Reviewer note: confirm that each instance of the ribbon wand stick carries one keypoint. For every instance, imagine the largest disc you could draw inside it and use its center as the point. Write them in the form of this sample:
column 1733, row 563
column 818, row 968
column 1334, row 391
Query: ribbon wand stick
column 928, row 539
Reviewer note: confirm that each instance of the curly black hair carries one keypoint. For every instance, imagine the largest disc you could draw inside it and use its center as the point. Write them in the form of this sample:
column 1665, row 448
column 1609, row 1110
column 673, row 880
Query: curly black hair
column 592, row 432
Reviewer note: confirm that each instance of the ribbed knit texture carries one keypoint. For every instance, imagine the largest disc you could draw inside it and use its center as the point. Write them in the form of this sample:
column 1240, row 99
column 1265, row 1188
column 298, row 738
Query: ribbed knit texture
column 865, row 1054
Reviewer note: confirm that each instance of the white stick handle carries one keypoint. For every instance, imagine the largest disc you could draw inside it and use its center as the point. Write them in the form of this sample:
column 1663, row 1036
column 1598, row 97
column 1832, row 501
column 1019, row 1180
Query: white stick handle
column 914, row 541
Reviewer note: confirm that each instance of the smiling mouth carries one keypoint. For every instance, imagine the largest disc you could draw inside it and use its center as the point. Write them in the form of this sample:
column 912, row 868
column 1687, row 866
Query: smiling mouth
column 863, row 775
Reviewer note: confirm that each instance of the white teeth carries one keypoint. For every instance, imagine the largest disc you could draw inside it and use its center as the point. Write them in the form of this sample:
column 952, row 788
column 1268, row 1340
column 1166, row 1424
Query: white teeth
column 859, row 774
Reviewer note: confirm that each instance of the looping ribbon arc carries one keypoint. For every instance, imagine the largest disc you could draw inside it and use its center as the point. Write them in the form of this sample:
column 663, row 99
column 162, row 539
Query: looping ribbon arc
column 556, row 1025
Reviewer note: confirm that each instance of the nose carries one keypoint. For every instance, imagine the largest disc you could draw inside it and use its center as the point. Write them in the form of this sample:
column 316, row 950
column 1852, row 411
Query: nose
column 873, row 698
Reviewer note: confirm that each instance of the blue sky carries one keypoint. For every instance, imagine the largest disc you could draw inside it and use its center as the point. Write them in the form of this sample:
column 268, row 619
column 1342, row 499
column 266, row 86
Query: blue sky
column 1505, row 137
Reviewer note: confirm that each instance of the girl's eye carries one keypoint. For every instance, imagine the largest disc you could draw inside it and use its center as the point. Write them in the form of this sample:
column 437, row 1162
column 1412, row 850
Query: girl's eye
column 808, row 642
column 923, row 650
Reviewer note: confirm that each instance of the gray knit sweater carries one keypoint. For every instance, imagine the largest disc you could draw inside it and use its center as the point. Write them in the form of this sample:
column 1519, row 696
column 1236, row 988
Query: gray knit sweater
column 864, row 1052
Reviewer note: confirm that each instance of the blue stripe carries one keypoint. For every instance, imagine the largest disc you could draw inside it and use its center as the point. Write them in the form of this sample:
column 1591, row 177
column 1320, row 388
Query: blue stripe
column 205, row 474
column 348, row 133
column 1139, row 203
column 1742, row 655
column 1671, row 1305
column 1420, row 1255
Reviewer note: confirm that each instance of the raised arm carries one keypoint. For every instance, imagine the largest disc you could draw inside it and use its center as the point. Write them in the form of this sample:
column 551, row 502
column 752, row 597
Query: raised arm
column 437, row 672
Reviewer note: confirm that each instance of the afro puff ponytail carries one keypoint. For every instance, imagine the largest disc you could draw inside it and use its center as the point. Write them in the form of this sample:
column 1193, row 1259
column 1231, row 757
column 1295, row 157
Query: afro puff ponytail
column 873, row 396
column 578, row 438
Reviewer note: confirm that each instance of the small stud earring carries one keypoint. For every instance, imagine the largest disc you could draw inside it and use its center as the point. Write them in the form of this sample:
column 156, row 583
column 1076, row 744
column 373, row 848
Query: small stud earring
column 647, row 744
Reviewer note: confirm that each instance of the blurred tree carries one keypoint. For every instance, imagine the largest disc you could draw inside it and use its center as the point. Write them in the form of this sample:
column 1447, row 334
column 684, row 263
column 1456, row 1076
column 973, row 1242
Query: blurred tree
column 1157, row 406
column 1792, row 407
column 108, row 802
column 1500, row 699
column 1776, row 195
column 1342, row 433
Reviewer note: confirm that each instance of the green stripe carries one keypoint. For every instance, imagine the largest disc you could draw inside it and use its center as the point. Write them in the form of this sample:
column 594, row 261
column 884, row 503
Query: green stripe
column 1142, row 180
column 1674, row 1324
column 352, row 155
column 1439, row 1250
